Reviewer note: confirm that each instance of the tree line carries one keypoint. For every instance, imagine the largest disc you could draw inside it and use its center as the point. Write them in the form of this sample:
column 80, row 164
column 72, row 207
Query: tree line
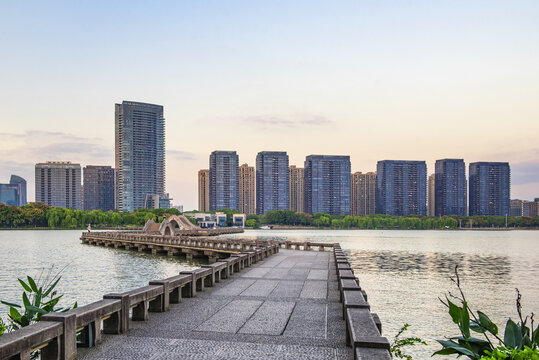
column 38, row 215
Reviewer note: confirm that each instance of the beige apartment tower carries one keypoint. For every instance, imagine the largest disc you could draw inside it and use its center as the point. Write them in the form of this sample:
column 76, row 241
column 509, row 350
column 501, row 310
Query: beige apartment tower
column 431, row 204
column 296, row 182
column 204, row 190
column 363, row 193
column 59, row 184
column 247, row 189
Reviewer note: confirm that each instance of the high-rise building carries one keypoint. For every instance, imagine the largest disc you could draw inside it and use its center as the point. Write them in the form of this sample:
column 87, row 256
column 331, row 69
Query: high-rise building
column 14, row 193
column 17, row 180
column 98, row 188
column 224, row 180
column 529, row 208
column 59, row 184
column 490, row 184
column 204, row 190
column 247, row 189
column 140, row 153
column 327, row 184
column 363, row 193
column 401, row 187
column 296, row 186
column 515, row 207
column 431, row 194
column 272, row 181
column 450, row 187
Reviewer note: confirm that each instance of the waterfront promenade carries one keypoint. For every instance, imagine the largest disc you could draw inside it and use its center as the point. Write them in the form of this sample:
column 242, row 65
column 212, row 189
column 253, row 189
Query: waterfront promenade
column 284, row 307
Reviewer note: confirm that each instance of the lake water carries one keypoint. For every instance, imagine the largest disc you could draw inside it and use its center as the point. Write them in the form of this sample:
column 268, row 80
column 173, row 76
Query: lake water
column 403, row 272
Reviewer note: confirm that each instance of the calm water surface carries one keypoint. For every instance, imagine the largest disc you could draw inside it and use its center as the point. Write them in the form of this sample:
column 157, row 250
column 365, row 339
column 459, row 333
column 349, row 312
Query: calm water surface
column 403, row 272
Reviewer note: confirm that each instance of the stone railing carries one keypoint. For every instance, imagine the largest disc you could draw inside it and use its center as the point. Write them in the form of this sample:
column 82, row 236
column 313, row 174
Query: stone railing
column 56, row 334
column 363, row 328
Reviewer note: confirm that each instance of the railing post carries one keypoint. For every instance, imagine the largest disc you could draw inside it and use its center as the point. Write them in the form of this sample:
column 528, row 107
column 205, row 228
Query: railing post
column 68, row 341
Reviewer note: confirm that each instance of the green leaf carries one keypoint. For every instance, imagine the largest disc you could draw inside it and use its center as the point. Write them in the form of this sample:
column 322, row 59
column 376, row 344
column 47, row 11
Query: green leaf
column 10, row 304
column 32, row 283
column 24, row 285
column 14, row 314
column 446, row 351
column 454, row 311
column 25, row 300
column 477, row 328
column 447, row 344
column 36, row 310
column 48, row 291
column 465, row 320
column 535, row 337
column 487, row 324
column 512, row 337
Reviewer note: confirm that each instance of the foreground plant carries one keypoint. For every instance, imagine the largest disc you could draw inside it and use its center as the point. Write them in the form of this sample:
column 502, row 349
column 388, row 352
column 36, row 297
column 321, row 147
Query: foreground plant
column 519, row 341
column 38, row 298
column 398, row 344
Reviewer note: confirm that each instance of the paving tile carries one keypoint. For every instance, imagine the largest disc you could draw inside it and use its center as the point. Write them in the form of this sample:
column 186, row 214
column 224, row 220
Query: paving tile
column 236, row 287
column 314, row 290
column 270, row 318
column 318, row 274
column 307, row 320
column 287, row 289
column 232, row 317
column 260, row 288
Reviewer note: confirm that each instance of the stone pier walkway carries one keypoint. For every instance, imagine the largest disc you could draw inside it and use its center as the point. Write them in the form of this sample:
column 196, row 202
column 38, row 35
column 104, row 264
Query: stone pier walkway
column 285, row 307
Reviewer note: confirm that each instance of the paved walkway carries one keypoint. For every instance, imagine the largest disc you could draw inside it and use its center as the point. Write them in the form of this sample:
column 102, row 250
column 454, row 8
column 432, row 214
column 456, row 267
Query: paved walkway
column 285, row 307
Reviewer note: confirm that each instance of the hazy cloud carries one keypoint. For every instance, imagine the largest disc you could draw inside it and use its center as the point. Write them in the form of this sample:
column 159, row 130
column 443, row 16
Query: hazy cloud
column 181, row 155
column 525, row 173
column 290, row 121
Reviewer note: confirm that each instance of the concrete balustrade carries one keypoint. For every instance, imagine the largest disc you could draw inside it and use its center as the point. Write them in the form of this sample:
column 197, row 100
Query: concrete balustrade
column 363, row 328
column 44, row 335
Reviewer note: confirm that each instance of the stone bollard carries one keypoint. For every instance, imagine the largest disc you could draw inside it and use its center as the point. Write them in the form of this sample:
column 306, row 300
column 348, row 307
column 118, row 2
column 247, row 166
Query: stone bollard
column 68, row 341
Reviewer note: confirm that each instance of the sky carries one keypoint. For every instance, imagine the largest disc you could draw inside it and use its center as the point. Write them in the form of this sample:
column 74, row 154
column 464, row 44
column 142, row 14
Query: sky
column 403, row 80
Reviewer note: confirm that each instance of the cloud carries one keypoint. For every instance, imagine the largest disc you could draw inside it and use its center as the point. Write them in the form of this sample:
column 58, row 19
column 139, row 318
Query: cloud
column 36, row 146
column 289, row 121
column 180, row 155
column 524, row 173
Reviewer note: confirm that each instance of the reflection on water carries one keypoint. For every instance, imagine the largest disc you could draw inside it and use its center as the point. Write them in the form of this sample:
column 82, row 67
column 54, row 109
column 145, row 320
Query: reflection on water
column 492, row 268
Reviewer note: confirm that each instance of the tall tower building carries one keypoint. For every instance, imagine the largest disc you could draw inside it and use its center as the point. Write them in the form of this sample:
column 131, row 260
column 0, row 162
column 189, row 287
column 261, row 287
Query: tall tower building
column 247, row 189
column 363, row 193
column 17, row 180
column 490, row 184
column 450, row 187
column 272, row 181
column 401, row 187
column 224, row 180
column 140, row 153
column 59, row 184
column 14, row 193
column 98, row 188
column 327, row 184
column 431, row 195
column 296, row 181
column 204, row 190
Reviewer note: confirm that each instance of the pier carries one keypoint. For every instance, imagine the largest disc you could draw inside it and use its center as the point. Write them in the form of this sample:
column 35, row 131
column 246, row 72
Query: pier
column 266, row 303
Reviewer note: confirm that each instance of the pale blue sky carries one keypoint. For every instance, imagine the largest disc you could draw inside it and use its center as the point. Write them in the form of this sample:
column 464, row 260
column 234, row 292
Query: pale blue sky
column 418, row 80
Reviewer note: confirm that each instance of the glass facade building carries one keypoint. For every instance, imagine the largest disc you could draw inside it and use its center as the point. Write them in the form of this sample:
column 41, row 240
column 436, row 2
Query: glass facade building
column 98, row 188
column 224, row 177
column 296, row 185
column 450, row 187
column 490, row 184
column 14, row 193
column 327, row 184
column 140, row 153
column 401, row 187
column 272, row 181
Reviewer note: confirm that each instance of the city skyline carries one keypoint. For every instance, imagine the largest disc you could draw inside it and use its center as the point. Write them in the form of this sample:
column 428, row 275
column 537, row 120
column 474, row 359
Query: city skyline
column 308, row 77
